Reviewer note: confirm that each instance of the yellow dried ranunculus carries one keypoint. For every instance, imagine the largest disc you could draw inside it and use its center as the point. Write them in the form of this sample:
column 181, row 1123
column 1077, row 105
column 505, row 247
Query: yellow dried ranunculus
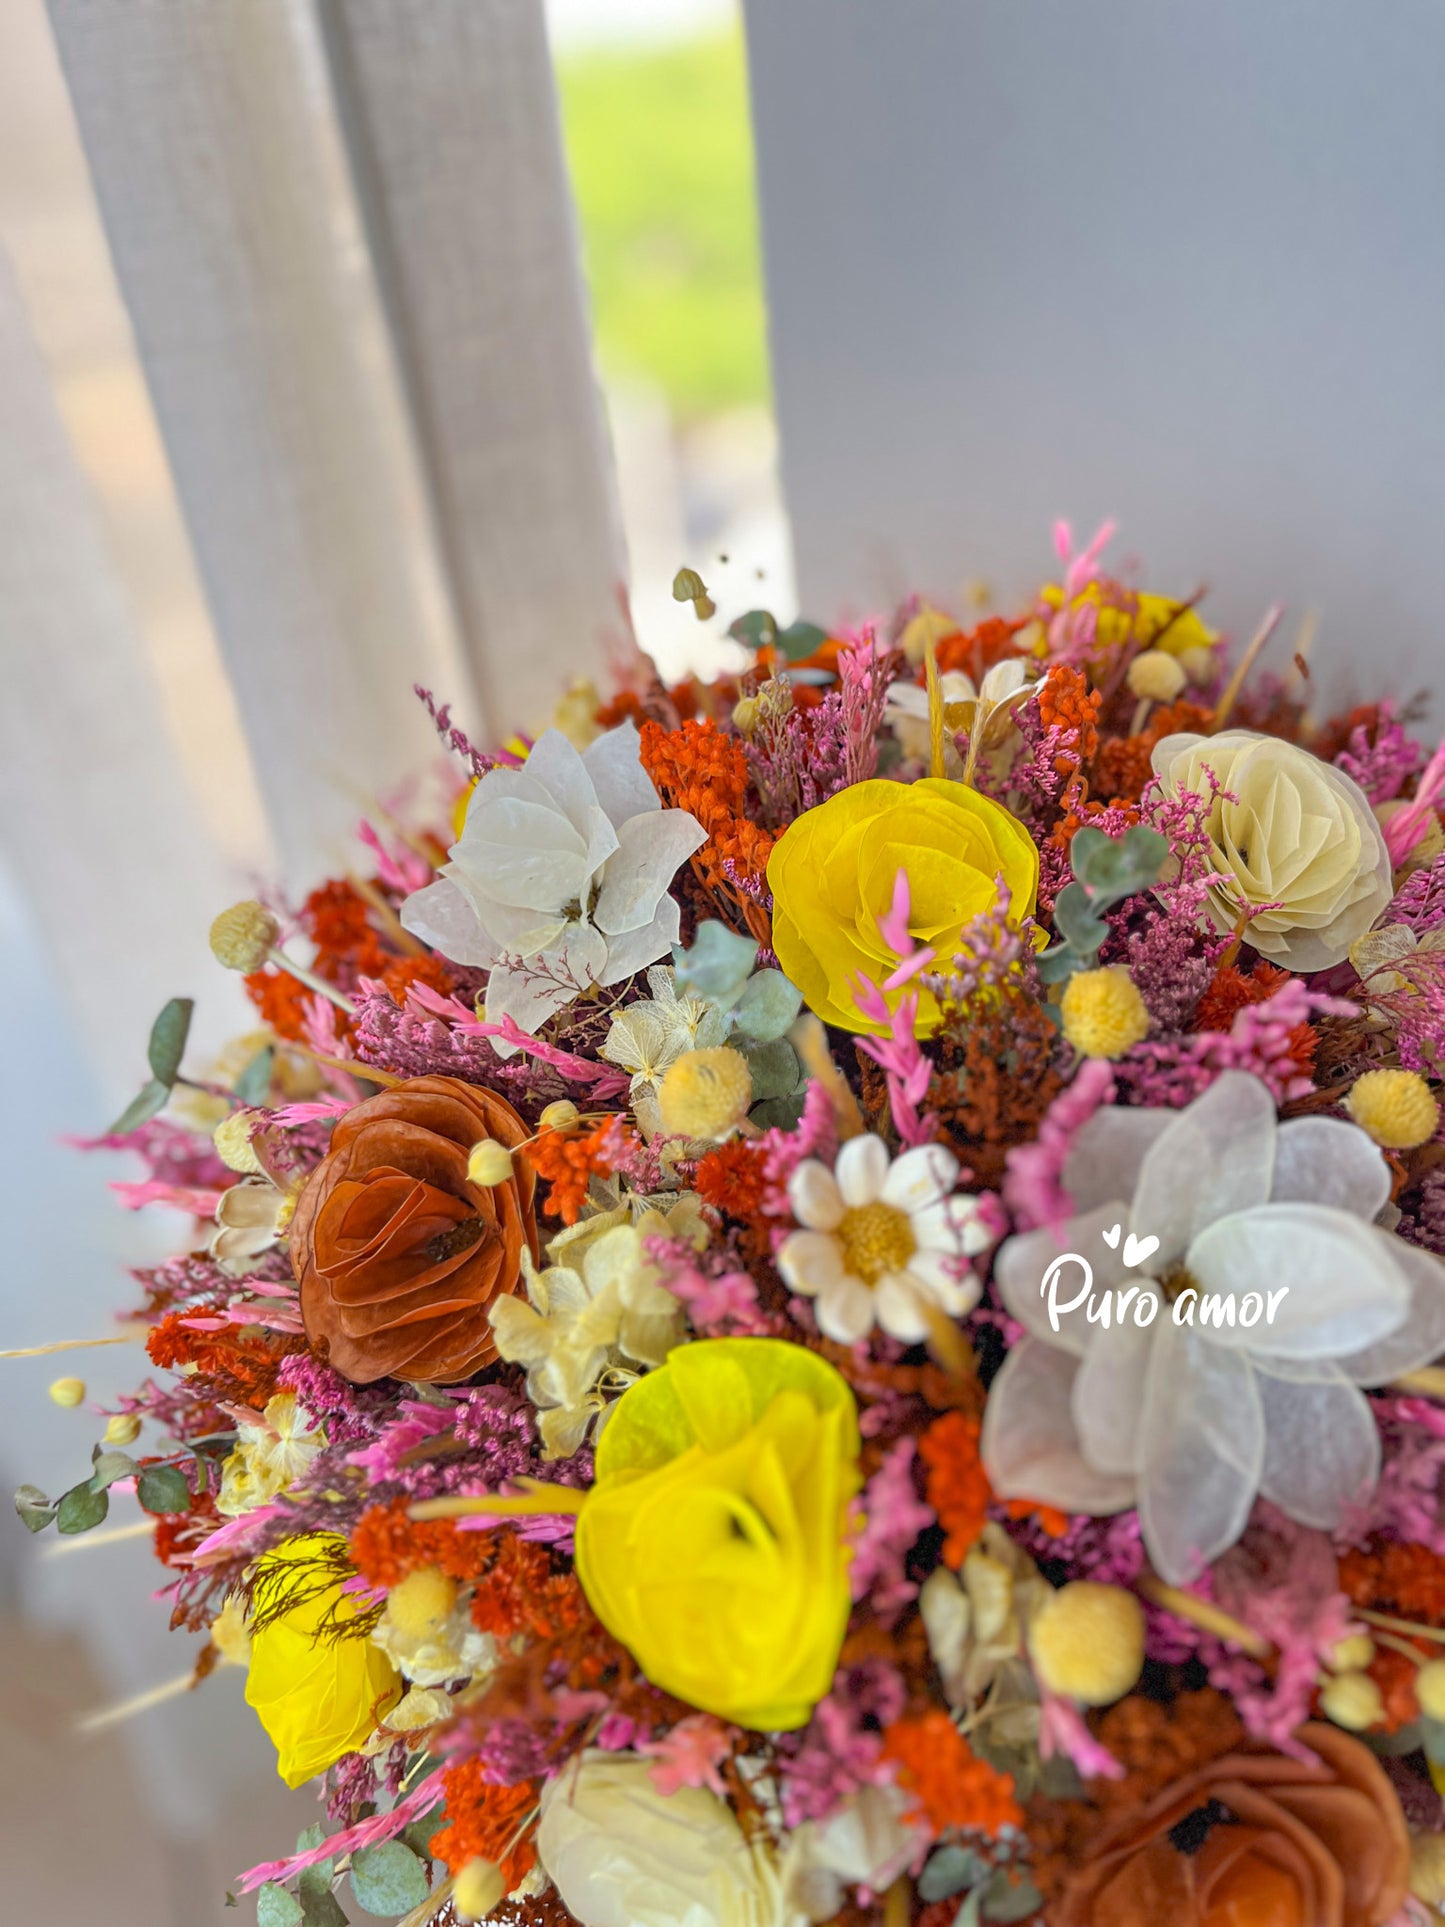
column 712, row 1543
column 833, row 870
column 1300, row 836
column 317, row 1694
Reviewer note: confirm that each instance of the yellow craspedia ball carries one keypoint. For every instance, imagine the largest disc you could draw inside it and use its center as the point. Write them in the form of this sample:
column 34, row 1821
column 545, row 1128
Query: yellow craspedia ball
column 242, row 937
column 1103, row 1013
column 1352, row 1655
column 489, row 1164
column 1156, row 676
column 706, row 1093
column 477, row 1889
column 318, row 1687
column 1352, row 1700
column 1430, row 1689
column 1087, row 1642
column 834, row 869
column 232, row 1139
column 67, row 1391
column 1397, row 1108
column 422, row 1602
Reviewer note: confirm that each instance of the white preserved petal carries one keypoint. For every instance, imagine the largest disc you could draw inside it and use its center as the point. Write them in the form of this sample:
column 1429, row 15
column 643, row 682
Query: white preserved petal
column 634, row 948
column 1322, row 1446
column 1109, row 1392
column 897, row 1305
column 1104, row 1162
column 844, row 1309
column 1214, row 1158
column 920, row 1177
column 939, row 1276
column 1023, row 1263
column 528, row 855
column 814, row 1195
column 1201, row 1451
column 861, row 1169
column 444, row 917
column 1323, row 1160
column 1029, row 1445
column 1334, row 1283
column 527, row 997
column 650, row 851
column 614, row 768
column 809, row 1260
column 1420, row 1336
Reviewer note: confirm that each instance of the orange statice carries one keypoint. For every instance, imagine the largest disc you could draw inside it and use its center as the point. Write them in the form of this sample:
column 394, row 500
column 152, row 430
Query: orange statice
column 569, row 1159
column 1067, row 703
column 731, row 1178
column 386, row 1545
column 957, row 1486
column 242, row 1361
column 700, row 768
column 1396, row 1577
column 952, row 1786
column 520, row 1593
column 485, row 1822
column 976, row 652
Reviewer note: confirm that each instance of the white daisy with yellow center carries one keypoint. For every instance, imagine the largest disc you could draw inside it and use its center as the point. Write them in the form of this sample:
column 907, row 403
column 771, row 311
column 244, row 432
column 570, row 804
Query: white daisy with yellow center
column 884, row 1240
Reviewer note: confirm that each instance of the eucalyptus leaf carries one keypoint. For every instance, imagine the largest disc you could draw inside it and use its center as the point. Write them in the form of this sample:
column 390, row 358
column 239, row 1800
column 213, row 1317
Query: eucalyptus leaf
column 81, row 1508
column 34, row 1509
column 319, row 1906
column 950, row 1871
column 276, row 1908
column 253, row 1086
column 774, row 1066
column 310, row 1838
column 1077, row 921
column 1432, row 1738
column 1112, row 868
column 1011, row 1899
column 778, row 1113
column 168, row 1039
column 110, row 1466
column 151, row 1097
column 718, row 964
column 970, row 1914
column 757, row 629
column 163, row 1488
column 388, row 1880
column 801, row 639
column 418, row 1836
column 768, row 1005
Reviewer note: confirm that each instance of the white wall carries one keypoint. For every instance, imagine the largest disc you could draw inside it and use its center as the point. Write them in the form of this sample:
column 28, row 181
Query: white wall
column 1181, row 263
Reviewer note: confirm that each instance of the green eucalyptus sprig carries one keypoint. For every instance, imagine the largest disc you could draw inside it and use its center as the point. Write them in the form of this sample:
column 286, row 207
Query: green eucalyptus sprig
column 1106, row 870
column 759, row 1007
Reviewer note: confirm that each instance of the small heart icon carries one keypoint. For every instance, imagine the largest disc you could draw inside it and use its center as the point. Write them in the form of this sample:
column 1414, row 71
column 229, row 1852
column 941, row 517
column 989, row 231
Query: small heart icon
column 1111, row 1238
column 1136, row 1250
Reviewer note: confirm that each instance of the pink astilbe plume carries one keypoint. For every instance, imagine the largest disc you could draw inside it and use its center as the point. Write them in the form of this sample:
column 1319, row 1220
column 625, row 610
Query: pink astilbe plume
column 690, row 1755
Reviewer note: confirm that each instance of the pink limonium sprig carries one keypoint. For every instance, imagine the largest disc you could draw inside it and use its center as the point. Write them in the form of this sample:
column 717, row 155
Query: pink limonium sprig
column 899, row 1055
column 1073, row 624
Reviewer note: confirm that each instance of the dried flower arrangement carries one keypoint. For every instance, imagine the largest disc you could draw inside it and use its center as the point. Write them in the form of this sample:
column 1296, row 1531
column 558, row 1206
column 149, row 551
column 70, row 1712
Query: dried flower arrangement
column 828, row 1307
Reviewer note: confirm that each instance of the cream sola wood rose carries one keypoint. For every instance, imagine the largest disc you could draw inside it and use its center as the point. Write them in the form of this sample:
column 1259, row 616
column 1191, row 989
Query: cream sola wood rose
column 1294, row 841
column 1190, row 1417
column 559, row 880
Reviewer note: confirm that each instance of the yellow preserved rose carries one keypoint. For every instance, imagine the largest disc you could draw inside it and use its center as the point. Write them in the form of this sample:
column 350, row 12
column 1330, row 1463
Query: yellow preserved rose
column 833, row 870
column 712, row 1543
column 317, row 1695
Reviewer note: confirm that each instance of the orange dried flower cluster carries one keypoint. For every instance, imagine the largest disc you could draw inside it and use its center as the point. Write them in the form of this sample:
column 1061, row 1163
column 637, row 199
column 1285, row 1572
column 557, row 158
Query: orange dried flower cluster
column 976, row 652
column 520, row 1593
column 386, row 1545
column 243, row 1361
column 699, row 768
column 956, row 1485
column 568, row 1160
column 1394, row 1576
column 337, row 918
column 486, row 1822
column 731, row 1178
column 1066, row 702
column 1124, row 764
column 950, row 1783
